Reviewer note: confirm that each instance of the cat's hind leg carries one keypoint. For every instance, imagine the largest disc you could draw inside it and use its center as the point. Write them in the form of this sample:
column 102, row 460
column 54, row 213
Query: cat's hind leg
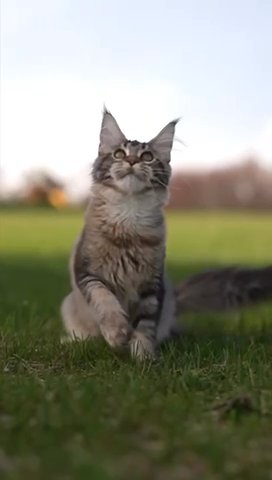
column 168, row 327
column 77, row 318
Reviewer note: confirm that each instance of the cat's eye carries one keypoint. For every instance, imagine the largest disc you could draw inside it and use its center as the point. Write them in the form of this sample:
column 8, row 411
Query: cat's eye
column 119, row 154
column 147, row 156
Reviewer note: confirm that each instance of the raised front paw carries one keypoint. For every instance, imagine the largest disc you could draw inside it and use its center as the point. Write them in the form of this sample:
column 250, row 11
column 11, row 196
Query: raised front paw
column 141, row 347
column 116, row 331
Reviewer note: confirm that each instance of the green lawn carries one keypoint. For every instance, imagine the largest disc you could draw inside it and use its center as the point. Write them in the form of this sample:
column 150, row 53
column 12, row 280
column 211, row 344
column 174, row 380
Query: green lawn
column 203, row 411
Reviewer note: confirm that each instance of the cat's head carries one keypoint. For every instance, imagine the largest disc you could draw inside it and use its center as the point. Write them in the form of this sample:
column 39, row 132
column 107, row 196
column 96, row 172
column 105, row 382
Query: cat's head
column 132, row 166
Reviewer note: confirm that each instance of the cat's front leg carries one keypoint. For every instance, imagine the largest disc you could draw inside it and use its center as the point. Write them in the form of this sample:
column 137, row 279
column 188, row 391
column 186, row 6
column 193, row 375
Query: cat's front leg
column 143, row 340
column 142, row 346
column 110, row 316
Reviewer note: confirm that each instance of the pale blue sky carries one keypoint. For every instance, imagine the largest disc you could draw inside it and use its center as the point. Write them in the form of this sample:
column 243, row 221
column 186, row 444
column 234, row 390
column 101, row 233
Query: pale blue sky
column 150, row 61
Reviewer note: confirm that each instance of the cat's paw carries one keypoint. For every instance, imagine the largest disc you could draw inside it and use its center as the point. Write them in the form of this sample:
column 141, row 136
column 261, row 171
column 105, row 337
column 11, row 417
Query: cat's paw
column 141, row 347
column 116, row 331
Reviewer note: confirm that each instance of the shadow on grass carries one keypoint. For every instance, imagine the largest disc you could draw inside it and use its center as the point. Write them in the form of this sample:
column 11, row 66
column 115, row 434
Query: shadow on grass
column 32, row 289
column 45, row 280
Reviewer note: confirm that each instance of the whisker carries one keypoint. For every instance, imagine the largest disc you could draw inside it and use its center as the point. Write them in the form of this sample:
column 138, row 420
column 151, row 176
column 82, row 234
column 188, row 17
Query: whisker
column 181, row 179
column 160, row 182
column 170, row 186
column 176, row 139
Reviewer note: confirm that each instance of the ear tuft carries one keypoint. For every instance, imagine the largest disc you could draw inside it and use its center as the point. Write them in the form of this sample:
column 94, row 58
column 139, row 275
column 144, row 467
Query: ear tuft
column 163, row 142
column 110, row 134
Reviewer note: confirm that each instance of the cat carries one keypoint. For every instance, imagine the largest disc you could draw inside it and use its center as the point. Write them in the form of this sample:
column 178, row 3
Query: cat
column 120, row 289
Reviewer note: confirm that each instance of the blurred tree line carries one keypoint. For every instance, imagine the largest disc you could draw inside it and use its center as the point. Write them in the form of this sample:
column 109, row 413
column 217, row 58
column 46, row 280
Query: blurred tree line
column 243, row 186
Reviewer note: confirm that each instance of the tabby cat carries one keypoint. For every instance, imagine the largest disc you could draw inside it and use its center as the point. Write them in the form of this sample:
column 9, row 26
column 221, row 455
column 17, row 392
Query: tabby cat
column 119, row 286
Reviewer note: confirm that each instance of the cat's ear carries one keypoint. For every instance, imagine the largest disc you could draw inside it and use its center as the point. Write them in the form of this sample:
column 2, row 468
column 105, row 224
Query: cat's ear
column 111, row 135
column 163, row 142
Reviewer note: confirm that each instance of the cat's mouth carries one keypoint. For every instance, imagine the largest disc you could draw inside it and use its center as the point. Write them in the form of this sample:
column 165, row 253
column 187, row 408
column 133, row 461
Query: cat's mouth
column 121, row 175
column 129, row 181
column 130, row 172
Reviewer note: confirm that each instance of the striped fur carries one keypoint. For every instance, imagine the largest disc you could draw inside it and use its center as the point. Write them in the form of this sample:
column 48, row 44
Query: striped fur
column 119, row 287
column 117, row 266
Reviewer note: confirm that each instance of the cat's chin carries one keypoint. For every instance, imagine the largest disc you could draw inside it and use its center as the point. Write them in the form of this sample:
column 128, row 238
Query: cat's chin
column 130, row 184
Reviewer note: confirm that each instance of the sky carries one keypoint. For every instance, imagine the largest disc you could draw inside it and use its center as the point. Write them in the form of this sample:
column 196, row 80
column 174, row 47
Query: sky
column 207, row 61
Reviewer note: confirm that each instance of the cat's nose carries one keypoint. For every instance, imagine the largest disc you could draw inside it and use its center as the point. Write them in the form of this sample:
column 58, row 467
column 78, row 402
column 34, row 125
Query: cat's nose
column 132, row 159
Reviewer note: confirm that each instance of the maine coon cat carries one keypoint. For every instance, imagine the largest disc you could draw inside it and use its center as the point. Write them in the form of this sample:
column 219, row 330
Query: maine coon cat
column 120, row 290
column 119, row 286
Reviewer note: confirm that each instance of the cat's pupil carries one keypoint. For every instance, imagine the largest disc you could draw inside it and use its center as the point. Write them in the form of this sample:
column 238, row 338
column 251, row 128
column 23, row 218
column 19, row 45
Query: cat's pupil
column 147, row 156
column 119, row 154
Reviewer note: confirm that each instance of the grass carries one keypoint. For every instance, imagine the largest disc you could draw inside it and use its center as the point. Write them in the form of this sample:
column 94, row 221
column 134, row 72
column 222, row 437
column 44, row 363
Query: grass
column 202, row 411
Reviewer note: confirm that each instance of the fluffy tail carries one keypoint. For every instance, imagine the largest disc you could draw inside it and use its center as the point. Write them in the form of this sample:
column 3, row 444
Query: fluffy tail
column 224, row 289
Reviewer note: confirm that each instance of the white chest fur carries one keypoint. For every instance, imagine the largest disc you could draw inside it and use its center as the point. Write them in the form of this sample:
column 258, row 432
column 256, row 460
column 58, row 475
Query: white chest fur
column 135, row 212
